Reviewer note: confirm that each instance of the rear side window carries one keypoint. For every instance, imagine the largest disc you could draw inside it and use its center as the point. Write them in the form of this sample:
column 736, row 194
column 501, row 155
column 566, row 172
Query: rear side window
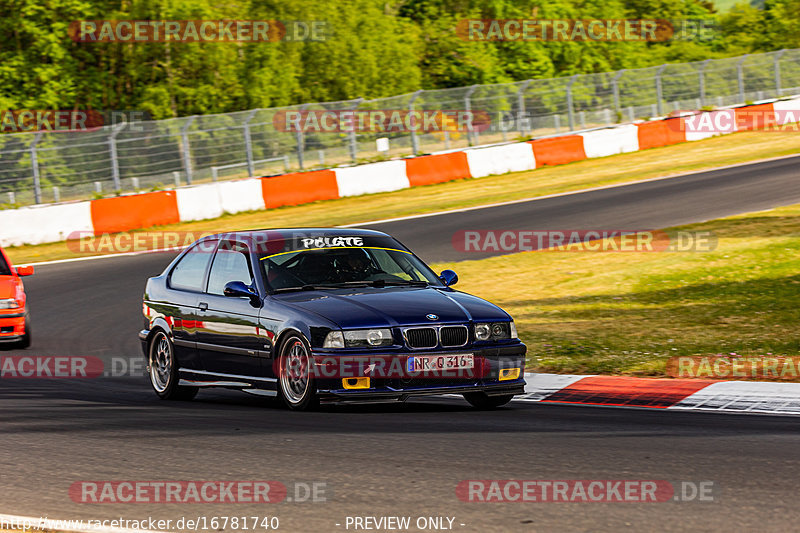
column 189, row 273
column 231, row 263
column 4, row 268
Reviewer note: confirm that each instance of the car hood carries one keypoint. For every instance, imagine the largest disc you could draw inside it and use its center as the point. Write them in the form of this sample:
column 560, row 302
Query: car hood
column 393, row 306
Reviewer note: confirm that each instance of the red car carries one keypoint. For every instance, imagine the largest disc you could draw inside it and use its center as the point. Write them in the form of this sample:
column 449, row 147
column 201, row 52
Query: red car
column 15, row 326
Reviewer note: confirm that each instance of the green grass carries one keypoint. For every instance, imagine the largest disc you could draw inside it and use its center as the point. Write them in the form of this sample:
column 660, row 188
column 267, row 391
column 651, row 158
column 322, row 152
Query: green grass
column 627, row 313
column 624, row 168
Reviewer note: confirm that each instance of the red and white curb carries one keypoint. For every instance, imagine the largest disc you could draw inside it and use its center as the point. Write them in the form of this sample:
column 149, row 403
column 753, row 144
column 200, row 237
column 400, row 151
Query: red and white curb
column 676, row 394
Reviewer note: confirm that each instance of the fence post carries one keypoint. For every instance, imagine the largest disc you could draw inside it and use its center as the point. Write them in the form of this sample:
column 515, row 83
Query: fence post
column 298, row 136
column 778, row 55
column 702, row 78
column 248, row 145
column 414, row 140
column 615, row 89
column 352, row 134
column 659, row 91
column 112, row 148
column 37, row 186
column 56, row 195
column 468, row 109
column 570, row 106
column 522, row 120
column 187, row 158
column 740, row 77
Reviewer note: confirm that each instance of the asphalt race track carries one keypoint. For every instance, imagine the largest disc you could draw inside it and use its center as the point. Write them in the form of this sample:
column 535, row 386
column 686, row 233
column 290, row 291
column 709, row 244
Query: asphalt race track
column 388, row 459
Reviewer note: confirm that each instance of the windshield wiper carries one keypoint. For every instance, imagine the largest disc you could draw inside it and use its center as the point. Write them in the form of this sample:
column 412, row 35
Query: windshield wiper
column 345, row 284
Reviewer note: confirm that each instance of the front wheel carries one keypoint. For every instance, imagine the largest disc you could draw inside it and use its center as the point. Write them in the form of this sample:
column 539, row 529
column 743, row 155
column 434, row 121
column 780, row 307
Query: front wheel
column 163, row 370
column 297, row 387
column 481, row 400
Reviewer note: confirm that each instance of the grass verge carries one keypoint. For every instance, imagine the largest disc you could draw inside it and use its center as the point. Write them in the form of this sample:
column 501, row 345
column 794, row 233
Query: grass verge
column 627, row 313
column 669, row 160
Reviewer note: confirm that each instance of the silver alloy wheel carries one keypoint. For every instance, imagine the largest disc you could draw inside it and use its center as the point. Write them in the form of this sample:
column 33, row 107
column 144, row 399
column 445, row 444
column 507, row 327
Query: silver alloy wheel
column 160, row 362
column 294, row 373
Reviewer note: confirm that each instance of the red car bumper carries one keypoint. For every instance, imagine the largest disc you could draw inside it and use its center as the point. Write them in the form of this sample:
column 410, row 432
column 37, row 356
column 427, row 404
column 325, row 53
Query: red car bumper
column 12, row 324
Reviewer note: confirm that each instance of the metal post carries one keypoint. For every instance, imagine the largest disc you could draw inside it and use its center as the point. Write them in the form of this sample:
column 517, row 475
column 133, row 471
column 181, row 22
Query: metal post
column 570, row 106
column 615, row 89
column 215, row 172
column 56, row 195
column 135, row 183
column 659, row 91
column 12, row 198
column 98, row 187
column 187, row 158
column 320, row 154
column 176, row 177
column 702, row 78
column 286, row 162
column 522, row 120
column 112, row 148
column 740, row 77
column 352, row 134
column 37, row 186
column 414, row 140
column 778, row 55
column 248, row 145
column 298, row 135
column 468, row 109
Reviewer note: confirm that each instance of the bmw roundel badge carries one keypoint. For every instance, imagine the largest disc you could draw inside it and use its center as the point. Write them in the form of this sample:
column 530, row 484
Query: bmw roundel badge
column 432, row 317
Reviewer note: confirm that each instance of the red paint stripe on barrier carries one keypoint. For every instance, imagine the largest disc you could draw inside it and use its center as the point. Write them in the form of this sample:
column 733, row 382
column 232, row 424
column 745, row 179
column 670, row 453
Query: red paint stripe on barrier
column 429, row 169
column 661, row 133
column 746, row 116
column 558, row 150
column 299, row 188
column 123, row 213
column 628, row 391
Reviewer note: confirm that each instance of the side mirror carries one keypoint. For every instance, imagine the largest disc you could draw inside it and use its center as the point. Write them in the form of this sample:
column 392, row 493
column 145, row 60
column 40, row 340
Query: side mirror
column 448, row 277
column 25, row 271
column 237, row 289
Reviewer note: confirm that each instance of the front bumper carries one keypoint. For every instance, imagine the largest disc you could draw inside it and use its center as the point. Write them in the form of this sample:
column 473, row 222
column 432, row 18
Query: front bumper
column 490, row 360
column 12, row 325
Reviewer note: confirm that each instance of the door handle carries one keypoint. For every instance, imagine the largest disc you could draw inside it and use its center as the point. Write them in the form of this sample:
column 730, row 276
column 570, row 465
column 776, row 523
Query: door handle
column 203, row 306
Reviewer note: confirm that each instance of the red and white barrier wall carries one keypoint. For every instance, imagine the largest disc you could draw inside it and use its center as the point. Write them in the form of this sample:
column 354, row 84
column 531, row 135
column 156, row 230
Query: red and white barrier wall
column 52, row 223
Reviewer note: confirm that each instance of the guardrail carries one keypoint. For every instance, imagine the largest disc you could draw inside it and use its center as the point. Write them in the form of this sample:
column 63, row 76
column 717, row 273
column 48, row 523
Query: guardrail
column 146, row 155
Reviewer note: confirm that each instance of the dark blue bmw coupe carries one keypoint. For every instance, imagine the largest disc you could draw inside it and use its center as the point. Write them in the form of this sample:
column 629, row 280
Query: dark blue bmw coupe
column 323, row 315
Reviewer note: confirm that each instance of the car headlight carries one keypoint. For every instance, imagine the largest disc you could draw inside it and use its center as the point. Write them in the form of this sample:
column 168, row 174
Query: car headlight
column 334, row 339
column 495, row 331
column 8, row 303
column 368, row 337
column 359, row 338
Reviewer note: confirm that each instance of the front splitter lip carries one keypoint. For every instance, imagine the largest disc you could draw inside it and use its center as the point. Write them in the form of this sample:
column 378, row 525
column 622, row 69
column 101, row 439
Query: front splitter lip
column 386, row 393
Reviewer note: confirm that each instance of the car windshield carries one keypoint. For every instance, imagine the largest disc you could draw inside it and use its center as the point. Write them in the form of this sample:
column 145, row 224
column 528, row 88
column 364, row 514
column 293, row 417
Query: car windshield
column 345, row 266
column 5, row 270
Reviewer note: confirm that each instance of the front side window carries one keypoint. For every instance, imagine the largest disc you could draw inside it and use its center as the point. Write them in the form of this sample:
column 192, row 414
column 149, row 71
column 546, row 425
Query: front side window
column 189, row 273
column 231, row 263
column 4, row 268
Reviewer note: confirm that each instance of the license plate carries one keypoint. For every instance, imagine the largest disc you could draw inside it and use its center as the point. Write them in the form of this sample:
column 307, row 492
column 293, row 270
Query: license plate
column 423, row 363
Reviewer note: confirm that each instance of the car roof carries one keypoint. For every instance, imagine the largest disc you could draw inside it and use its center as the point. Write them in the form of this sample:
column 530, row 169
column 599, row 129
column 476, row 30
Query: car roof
column 317, row 231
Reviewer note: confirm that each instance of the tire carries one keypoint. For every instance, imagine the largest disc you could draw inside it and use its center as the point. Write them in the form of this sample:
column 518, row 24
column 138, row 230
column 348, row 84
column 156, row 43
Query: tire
column 163, row 371
column 25, row 341
column 296, row 386
column 481, row 400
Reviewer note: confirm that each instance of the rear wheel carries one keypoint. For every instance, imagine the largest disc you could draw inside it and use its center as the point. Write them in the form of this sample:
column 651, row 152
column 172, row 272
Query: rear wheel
column 163, row 371
column 296, row 384
column 481, row 400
